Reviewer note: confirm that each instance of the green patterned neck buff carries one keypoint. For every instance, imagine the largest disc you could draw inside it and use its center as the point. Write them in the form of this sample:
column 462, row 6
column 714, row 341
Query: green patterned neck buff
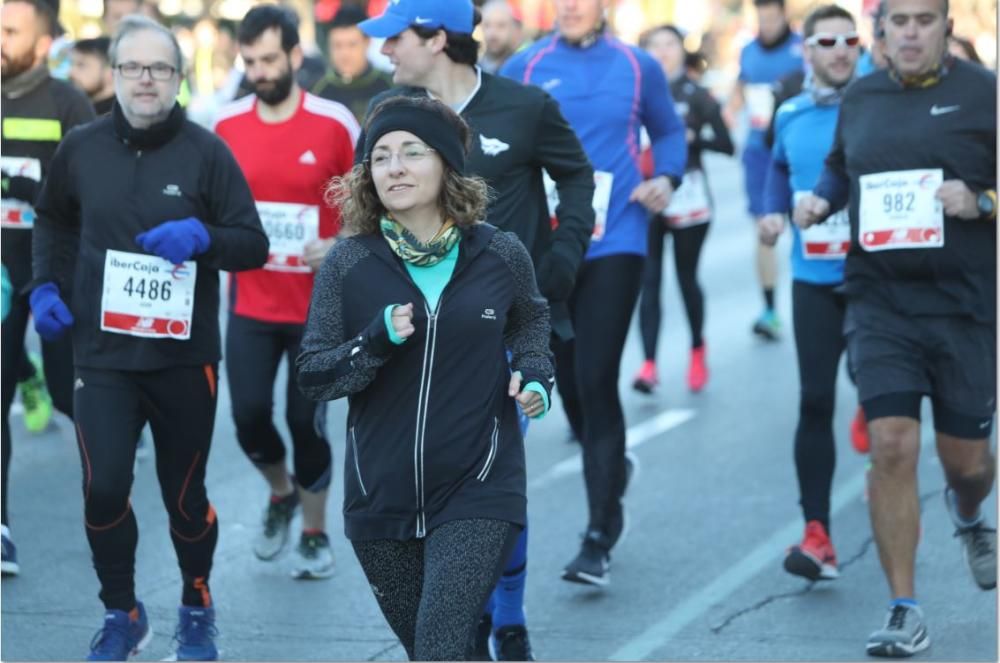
column 410, row 249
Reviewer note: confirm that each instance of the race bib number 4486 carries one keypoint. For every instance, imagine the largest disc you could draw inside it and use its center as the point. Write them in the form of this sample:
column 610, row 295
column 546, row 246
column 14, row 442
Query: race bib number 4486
column 146, row 296
column 899, row 210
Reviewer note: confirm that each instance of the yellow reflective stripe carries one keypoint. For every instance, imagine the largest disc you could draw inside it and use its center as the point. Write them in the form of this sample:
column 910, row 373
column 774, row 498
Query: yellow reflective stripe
column 23, row 128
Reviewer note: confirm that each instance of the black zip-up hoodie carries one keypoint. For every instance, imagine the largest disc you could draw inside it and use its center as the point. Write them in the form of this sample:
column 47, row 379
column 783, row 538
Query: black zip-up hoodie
column 109, row 182
column 432, row 435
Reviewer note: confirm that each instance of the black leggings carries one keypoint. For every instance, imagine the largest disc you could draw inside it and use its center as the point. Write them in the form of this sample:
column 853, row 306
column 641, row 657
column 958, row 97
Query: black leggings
column 253, row 352
column 58, row 360
column 587, row 376
column 818, row 316
column 432, row 591
column 687, row 251
column 112, row 407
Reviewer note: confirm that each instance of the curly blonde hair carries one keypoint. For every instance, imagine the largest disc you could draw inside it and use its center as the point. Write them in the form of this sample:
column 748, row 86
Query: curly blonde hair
column 463, row 199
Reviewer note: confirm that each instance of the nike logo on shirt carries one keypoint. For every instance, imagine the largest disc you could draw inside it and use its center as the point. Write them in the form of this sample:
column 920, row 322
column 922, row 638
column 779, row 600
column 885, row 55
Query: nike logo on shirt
column 941, row 110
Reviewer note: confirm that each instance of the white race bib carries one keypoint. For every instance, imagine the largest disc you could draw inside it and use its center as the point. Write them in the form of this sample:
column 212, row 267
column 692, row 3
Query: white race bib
column 289, row 227
column 829, row 240
column 760, row 103
column 689, row 205
column 602, row 199
column 146, row 296
column 17, row 213
column 898, row 210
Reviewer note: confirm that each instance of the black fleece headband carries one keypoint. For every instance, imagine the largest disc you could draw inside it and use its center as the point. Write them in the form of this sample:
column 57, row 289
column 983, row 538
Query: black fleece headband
column 427, row 125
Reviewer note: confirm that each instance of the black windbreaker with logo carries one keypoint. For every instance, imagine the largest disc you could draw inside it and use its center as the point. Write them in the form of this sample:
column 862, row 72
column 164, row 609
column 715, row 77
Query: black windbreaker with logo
column 108, row 183
column 432, row 435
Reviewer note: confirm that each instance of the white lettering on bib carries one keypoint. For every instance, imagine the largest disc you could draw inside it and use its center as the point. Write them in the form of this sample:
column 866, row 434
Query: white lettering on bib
column 829, row 240
column 289, row 227
column 760, row 103
column 899, row 210
column 689, row 205
column 17, row 213
column 602, row 199
column 146, row 296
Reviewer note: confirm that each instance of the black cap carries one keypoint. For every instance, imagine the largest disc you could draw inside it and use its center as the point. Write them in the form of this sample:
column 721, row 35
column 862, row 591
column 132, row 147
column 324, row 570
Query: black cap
column 348, row 16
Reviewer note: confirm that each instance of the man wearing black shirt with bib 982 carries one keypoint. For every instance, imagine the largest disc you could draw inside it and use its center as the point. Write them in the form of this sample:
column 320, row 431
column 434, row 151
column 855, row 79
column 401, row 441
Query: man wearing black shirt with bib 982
column 915, row 154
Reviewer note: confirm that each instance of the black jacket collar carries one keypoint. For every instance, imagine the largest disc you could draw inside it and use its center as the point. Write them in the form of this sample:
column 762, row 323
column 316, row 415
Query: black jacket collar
column 155, row 136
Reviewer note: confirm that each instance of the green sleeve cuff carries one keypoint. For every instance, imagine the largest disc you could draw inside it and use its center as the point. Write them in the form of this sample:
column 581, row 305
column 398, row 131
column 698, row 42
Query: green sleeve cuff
column 393, row 336
column 539, row 389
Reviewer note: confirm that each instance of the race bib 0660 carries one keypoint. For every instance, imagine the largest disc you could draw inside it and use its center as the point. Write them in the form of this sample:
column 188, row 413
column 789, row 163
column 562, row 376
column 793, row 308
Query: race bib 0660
column 17, row 213
column 602, row 199
column 289, row 227
column 829, row 240
column 146, row 296
column 899, row 210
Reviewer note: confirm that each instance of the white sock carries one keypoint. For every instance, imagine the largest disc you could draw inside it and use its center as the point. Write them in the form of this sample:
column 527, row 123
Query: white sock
column 957, row 517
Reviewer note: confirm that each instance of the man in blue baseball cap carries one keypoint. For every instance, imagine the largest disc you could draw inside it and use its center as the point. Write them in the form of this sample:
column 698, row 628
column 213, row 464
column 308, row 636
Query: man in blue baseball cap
column 451, row 15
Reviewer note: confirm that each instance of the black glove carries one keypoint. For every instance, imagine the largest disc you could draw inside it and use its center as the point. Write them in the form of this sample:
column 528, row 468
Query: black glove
column 556, row 277
column 20, row 187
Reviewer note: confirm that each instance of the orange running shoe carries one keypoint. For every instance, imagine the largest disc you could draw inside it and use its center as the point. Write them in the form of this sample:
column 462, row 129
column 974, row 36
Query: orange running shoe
column 814, row 558
column 859, row 433
column 697, row 371
column 645, row 380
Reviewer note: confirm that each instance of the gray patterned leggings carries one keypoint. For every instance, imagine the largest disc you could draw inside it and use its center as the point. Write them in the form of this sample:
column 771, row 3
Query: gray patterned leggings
column 432, row 591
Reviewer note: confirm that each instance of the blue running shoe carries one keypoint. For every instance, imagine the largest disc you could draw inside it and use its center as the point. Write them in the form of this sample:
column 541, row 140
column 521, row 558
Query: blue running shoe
column 768, row 326
column 9, row 565
column 120, row 637
column 195, row 634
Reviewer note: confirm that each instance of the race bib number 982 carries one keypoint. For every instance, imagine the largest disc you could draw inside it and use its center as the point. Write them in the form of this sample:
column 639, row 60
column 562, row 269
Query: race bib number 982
column 146, row 296
column 900, row 210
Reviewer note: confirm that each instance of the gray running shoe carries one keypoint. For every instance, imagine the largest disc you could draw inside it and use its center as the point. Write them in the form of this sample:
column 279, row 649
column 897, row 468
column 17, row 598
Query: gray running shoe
column 980, row 544
column 273, row 535
column 904, row 633
column 313, row 558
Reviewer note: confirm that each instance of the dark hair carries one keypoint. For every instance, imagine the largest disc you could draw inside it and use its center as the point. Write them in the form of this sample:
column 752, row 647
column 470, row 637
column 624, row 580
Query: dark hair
column 822, row 13
column 348, row 16
column 696, row 61
column 227, row 26
column 98, row 46
column 648, row 34
column 763, row 3
column 463, row 199
column 968, row 47
column 461, row 48
column 264, row 17
column 46, row 15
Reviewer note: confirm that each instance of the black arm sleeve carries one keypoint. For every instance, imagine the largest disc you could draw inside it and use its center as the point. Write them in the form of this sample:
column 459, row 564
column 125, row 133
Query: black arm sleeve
column 238, row 241
column 559, row 151
column 56, row 234
column 721, row 141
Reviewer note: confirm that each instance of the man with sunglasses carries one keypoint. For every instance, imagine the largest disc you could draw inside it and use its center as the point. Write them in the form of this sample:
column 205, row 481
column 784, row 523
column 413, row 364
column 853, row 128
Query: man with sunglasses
column 804, row 127
column 914, row 157
column 140, row 212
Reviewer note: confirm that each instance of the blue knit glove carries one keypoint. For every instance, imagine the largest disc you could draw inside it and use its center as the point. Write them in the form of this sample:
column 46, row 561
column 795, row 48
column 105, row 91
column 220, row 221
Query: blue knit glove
column 176, row 241
column 52, row 317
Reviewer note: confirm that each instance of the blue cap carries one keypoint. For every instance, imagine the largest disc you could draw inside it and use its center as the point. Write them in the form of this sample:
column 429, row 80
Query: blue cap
column 451, row 15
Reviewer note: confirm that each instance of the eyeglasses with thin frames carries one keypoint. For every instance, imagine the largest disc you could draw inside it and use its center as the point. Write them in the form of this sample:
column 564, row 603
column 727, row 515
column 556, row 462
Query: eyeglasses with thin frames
column 158, row 71
column 409, row 155
column 829, row 41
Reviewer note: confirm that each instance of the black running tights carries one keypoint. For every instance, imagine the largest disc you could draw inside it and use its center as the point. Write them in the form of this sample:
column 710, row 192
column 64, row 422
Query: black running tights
column 818, row 316
column 432, row 591
column 112, row 407
column 687, row 251
column 587, row 377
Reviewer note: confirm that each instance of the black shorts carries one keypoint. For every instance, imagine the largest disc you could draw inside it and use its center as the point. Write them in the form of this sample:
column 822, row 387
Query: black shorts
column 898, row 359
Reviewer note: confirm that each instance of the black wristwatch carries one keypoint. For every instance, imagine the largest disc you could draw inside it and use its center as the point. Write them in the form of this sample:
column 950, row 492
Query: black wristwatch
column 987, row 203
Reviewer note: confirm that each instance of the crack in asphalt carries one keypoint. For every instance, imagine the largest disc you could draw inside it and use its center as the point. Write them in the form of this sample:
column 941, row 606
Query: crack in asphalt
column 376, row 656
column 863, row 549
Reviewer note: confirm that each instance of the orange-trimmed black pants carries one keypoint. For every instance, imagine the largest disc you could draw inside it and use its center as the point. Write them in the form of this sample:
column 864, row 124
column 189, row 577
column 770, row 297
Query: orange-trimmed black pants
column 112, row 407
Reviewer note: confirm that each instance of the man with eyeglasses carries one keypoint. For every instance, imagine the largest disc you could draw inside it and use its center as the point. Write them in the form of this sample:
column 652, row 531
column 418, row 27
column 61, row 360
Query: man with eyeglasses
column 289, row 144
column 804, row 127
column 914, row 158
column 139, row 213
column 37, row 112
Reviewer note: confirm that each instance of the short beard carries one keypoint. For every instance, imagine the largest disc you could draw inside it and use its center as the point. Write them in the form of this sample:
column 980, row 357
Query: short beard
column 15, row 67
column 279, row 92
